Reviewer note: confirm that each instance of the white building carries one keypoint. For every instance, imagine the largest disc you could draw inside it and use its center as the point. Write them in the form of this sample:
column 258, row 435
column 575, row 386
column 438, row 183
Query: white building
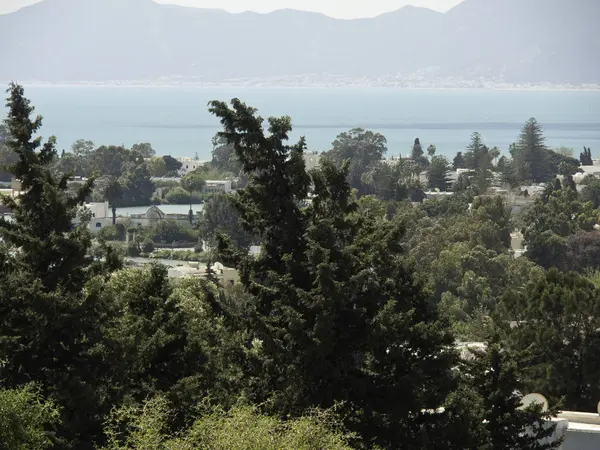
column 101, row 216
column 189, row 165
column 311, row 160
column 593, row 170
column 226, row 275
column 213, row 186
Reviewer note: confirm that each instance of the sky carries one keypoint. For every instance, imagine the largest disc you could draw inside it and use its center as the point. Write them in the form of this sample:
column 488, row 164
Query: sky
column 346, row 9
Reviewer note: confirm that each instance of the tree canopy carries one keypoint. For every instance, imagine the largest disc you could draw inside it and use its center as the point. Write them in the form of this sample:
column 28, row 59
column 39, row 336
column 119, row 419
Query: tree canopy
column 362, row 149
column 342, row 332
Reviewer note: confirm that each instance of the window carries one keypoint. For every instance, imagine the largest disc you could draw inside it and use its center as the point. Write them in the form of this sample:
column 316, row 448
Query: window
column 98, row 225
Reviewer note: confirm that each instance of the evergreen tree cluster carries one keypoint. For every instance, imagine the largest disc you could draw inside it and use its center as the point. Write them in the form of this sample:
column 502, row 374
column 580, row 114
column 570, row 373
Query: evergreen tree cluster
column 341, row 333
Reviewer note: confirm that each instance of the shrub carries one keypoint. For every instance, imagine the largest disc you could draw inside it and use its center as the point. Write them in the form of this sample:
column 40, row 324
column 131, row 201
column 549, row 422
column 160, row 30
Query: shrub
column 133, row 250
column 148, row 246
column 241, row 428
column 180, row 255
column 110, row 233
column 178, row 196
column 171, row 231
column 26, row 420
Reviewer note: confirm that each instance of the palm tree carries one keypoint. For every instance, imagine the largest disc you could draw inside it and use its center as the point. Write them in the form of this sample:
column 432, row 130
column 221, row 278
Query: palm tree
column 113, row 194
column 191, row 182
column 495, row 153
column 431, row 150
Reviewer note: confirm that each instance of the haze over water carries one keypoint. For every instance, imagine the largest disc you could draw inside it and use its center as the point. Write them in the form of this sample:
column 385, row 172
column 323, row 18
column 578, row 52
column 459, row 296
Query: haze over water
column 176, row 121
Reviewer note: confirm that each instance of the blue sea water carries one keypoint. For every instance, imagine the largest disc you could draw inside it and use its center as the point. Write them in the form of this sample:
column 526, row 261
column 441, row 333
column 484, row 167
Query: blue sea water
column 176, row 120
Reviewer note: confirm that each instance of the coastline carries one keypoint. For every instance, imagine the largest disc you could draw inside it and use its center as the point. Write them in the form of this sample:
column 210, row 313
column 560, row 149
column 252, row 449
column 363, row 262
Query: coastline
column 328, row 86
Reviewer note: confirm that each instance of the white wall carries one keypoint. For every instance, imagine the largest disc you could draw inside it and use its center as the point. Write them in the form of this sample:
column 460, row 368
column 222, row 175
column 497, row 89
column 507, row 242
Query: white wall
column 189, row 165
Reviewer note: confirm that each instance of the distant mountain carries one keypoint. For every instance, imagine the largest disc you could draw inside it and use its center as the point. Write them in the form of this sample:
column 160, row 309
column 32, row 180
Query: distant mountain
column 99, row 40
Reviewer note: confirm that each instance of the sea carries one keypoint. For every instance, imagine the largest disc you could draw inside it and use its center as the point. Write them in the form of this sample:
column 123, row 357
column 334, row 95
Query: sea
column 176, row 121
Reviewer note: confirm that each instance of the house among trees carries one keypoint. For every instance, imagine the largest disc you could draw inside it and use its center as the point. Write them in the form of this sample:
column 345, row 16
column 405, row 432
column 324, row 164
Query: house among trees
column 101, row 216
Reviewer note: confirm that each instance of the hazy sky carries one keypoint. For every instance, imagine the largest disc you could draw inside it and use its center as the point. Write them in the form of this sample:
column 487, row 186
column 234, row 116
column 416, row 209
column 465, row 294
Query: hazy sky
column 334, row 8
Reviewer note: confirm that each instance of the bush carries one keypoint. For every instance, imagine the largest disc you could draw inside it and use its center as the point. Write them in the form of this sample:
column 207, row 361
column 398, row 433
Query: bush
column 133, row 250
column 178, row 196
column 171, row 231
column 111, row 233
column 166, row 184
column 180, row 255
column 26, row 420
column 241, row 428
column 148, row 246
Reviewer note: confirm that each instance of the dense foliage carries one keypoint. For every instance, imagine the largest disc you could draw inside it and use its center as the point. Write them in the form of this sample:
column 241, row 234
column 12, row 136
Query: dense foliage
column 343, row 330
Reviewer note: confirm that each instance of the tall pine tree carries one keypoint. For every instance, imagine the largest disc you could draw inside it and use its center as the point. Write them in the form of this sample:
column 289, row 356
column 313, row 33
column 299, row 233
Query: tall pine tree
column 531, row 154
column 334, row 309
column 507, row 424
column 49, row 323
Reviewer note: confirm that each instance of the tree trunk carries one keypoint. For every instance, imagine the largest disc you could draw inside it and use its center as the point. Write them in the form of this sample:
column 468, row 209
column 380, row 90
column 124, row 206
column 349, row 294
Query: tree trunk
column 114, row 215
column 191, row 213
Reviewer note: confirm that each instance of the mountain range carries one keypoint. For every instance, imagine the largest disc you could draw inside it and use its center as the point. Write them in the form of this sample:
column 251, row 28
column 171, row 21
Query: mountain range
column 516, row 41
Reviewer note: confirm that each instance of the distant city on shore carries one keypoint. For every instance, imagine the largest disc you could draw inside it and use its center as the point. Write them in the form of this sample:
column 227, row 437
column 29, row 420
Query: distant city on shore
column 330, row 81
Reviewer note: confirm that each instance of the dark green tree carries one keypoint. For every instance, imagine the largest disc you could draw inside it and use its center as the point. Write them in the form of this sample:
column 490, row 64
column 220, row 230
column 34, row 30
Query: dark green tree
column 531, row 154
column 390, row 180
column 363, row 149
column 494, row 375
column 172, row 164
column 147, row 337
column 561, row 164
column 219, row 216
column 110, row 161
column 476, row 153
column 223, row 157
column 582, row 251
column 459, row 162
column 113, row 194
column 417, row 151
column 138, row 186
column 145, row 149
column 169, row 231
column 192, row 182
column 417, row 155
column 82, row 149
column 555, row 333
column 478, row 159
column 27, row 420
column 437, row 174
column 333, row 303
column 555, row 216
column 3, row 133
column 585, row 158
column 50, row 323
column 431, row 151
column 7, row 156
column 591, row 192
column 506, row 172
